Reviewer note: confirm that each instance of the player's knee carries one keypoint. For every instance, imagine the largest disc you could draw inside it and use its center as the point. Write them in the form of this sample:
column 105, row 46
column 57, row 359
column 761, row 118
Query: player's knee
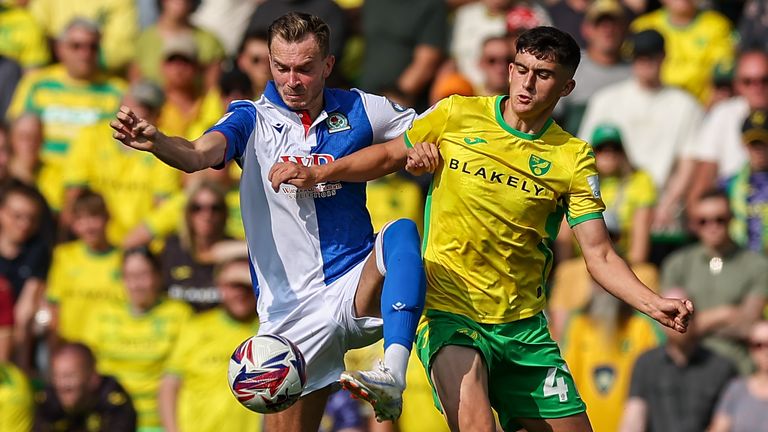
column 402, row 236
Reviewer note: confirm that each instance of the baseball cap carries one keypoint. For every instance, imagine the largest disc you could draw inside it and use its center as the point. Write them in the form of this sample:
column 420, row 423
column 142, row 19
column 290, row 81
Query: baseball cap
column 601, row 8
column 183, row 45
column 646, row 43
column 755, row 127
column 148, row 94
column 606, row 134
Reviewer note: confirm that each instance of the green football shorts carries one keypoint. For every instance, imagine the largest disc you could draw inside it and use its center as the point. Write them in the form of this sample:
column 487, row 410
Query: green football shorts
column 527, row 377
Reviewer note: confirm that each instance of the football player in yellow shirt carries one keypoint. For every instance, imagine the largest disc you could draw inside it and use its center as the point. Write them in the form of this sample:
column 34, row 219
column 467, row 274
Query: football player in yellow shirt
column 505, row 174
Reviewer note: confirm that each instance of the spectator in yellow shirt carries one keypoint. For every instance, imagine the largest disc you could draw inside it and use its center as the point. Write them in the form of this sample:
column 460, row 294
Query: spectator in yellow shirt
column 26, row 140
column 22, row 38
column 194, row 395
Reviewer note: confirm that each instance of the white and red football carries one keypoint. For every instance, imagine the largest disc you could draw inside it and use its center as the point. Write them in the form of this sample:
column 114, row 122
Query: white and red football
column 267, row 373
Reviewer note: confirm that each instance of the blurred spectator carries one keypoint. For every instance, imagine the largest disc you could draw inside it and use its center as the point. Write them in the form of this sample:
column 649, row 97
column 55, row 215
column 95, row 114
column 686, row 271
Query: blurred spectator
column 23, row 39
column 393, row 197
column 477, row 21
column 722, row 84
column 743, row 406
column 173, row 22
column 727, row 283
column 753, row 31
column 6, row 320
column 188, row 257
column 748, row 190
column 604, row 29
column 696, row 41
column 343, row 414
column 24, row 261
column 405, row 41
column 26, row 140
column 675, row 387
column 720, row 152
column 658, row 124
column 15, row 399
column 132, row 183
column 330, row 12
column 600, row 347
column 66, row 97
column 6, row 153
column 569, row 15
column 235, row 84
column 85, row 273
column 116, row 19
column 79, row 399
column 10, row 74
column 188, row 107
column 253, row 59
column 194, row 395
column 147, row 12
column 228, row 19
column 495, row 57
column 447, row 84
column 133, row 342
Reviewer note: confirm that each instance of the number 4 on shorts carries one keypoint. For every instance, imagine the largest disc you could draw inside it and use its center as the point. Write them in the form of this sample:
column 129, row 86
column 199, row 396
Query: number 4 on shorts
column 555, row 386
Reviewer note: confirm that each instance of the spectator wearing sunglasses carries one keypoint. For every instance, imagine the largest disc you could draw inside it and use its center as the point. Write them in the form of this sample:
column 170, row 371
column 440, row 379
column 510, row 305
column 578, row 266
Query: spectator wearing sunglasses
column 727, row 282
column 748, row 189
column 744, row 405
column 187, row 257
column 253, row 59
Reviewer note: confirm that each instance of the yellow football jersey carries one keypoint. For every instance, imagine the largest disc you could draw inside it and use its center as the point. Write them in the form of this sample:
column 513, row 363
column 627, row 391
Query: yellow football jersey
column 16, row 403
column 692, row 51
column 22, row 38
column 66, row 106
column 602, row 366
column 132, row 182
column 135, row 349
column 200, row 359
column 495, row 205
column 80, row 282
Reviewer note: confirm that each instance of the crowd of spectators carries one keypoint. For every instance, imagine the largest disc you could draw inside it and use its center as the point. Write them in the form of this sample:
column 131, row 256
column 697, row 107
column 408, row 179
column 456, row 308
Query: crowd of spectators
column 124, row 284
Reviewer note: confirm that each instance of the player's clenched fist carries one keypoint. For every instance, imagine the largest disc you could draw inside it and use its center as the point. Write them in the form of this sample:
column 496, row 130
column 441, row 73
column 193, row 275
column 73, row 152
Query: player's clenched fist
column 673, row 313
column 133, row 131
column 422, row 158
column 298, row 175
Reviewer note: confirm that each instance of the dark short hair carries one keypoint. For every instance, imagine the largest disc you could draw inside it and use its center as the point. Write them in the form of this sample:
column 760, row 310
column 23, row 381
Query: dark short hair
column 147, row 254
column 234, row 80
column 79, row 349
column 551, row 44
column 297, row 26
column 250, row 35
column 714, row 193
column 90, row 203
column 18, row 188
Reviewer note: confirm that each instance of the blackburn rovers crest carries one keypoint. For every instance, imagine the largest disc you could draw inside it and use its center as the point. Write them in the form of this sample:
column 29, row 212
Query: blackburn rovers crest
column 337, row 122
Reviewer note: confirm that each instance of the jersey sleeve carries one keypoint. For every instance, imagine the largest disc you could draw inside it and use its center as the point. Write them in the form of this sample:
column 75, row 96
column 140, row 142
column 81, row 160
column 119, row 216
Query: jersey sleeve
column 583, row 200
column 429, row 126
column 388, row 119
column 236, row 125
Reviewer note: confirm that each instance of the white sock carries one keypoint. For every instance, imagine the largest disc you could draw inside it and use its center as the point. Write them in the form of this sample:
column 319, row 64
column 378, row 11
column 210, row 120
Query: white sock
column 396, row 360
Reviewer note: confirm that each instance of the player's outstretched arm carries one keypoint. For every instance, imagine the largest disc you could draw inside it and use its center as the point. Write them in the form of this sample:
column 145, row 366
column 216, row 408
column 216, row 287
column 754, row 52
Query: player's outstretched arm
column 180, row 153
column 363, row 165
column 613, row 274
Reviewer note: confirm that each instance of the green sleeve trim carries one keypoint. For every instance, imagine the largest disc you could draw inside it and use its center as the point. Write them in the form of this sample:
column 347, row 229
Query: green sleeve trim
column 572, row 222
column 407, row 141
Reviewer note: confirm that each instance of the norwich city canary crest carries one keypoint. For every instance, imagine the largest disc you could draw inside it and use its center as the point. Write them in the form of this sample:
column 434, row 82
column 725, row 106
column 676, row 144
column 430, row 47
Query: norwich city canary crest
column 539, row 166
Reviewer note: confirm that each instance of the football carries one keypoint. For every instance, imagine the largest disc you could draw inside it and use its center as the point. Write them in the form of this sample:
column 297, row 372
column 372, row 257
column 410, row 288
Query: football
column 267, row 373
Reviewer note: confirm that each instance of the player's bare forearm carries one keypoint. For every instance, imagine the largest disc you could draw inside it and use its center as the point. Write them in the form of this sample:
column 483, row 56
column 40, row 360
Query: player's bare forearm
column 367, row 164
column 613, row 274
column 190, row 156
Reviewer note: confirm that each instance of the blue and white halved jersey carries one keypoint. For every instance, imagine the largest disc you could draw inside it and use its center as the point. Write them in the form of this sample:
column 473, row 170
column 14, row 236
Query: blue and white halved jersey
column 301, row 240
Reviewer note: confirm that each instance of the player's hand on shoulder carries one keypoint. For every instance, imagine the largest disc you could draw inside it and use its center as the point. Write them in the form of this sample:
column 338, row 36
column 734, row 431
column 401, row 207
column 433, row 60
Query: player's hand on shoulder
column 132, row 130
column 303, row 177
column 673, row 313
column 422, row 158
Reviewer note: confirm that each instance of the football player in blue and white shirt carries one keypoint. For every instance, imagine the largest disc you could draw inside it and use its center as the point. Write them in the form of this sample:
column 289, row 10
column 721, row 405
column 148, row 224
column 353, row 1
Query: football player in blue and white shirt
column 322, row 279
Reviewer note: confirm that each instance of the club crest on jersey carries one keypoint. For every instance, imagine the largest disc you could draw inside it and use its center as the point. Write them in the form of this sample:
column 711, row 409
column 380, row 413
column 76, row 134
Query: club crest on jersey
column 538, row 165
column 604, row 377
column 309, row 160
column 337, row 122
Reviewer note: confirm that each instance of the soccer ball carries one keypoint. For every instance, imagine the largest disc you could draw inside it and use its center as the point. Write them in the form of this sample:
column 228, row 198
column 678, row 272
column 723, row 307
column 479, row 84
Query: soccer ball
column 267, row 373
